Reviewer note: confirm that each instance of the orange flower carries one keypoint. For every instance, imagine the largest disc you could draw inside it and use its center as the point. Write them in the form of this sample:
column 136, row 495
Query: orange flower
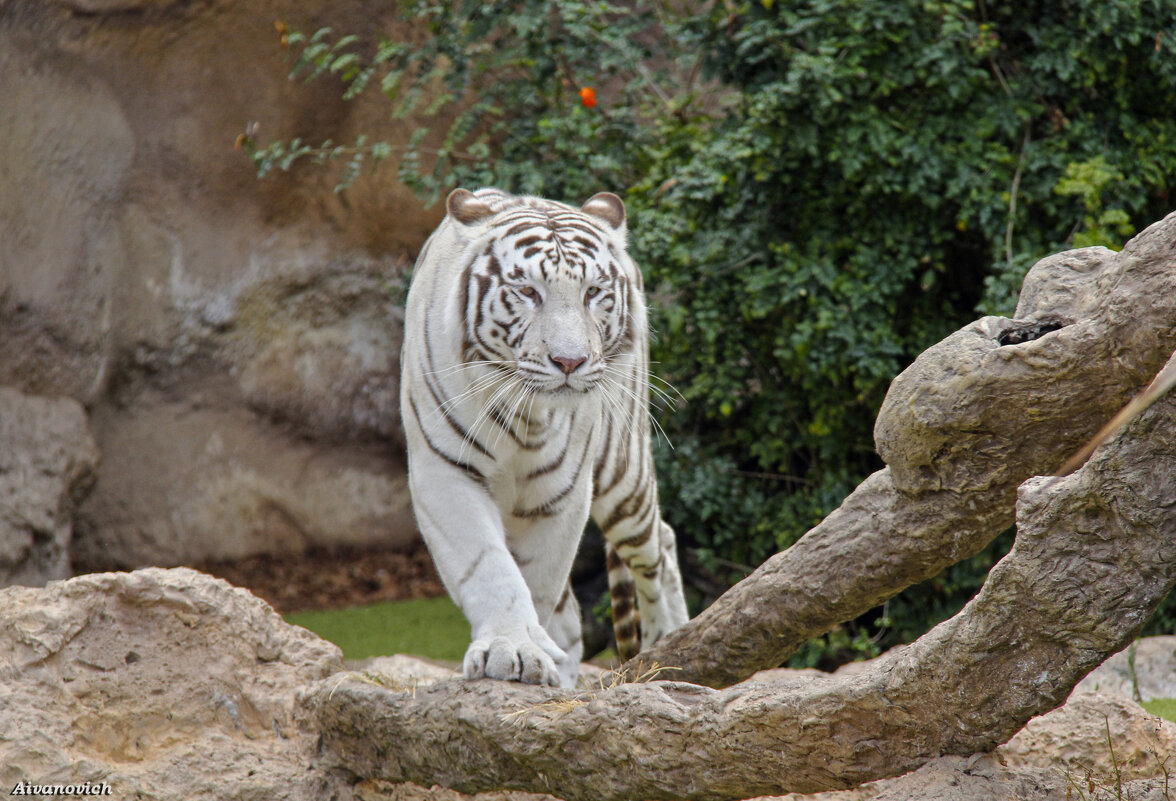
column 588, row 97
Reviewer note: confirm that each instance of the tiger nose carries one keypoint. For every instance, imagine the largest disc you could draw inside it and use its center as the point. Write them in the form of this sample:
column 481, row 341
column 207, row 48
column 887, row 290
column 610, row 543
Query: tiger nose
column 566, row 364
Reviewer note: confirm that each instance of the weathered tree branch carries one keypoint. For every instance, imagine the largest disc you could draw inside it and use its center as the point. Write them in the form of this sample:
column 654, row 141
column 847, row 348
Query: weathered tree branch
column 1095, row 553
column 960, row 429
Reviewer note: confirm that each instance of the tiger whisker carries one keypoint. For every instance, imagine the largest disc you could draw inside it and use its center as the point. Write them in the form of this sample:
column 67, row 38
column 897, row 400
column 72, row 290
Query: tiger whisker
column 523, row 397
column 516, row 391
column 636, row 398
column 654, row 377
column 513, row 401
column 659, row 396
column 661, row 431
column 662, row 379
column 481, row 384
column 531, row 405
column 671, row 401
column 509, row 383
column 621, row 413
column 454, row 368
column 618, row 386
column 496, row 388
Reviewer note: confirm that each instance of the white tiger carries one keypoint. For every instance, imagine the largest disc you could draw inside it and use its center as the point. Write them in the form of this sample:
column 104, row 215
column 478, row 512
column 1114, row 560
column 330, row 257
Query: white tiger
column 524, row 396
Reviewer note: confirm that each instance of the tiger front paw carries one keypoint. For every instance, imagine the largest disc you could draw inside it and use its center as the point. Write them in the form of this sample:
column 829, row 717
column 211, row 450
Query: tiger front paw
column 511, row 658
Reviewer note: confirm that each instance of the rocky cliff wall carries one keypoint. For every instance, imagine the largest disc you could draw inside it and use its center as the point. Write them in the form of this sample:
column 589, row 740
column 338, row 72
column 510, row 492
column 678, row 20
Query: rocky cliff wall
column 235, row 342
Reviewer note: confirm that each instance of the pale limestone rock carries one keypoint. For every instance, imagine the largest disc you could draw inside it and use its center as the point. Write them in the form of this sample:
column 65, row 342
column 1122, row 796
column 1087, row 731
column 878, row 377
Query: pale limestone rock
column 405, row 670
column 1068, row 744
column 229, row 484
column 1095, row 733
column 170, row 684
column 163, row 683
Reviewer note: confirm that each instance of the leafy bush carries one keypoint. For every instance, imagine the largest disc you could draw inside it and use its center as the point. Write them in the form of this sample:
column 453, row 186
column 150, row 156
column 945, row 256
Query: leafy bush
column 818, row 190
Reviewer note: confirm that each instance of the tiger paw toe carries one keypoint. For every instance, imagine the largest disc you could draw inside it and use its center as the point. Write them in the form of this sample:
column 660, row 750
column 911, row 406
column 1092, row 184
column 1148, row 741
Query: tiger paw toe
column 503, row 658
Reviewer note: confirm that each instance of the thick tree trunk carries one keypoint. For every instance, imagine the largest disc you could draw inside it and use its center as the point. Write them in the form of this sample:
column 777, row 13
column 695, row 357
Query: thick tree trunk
column 974, row 416
column 1095, row 553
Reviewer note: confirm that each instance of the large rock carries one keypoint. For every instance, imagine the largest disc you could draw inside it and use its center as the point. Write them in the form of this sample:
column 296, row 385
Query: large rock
column 985, row 779
column 1094, row 741
column 147, row 273
column 164, row 684
column 47, row 458
column 1107, row 737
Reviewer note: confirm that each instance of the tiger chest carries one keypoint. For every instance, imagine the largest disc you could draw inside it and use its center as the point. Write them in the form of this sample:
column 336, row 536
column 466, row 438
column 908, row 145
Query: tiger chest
column 547, row 474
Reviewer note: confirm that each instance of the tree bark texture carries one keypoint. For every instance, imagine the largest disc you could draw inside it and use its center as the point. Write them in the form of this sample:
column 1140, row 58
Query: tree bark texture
column 1095, row 553
column 974, row 416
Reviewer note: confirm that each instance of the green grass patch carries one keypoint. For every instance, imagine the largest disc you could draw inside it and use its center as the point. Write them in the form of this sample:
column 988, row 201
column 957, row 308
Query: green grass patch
column 432, row 627
column 1163, row 707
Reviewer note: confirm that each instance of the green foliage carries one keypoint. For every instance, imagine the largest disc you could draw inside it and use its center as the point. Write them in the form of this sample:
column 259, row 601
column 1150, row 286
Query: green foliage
column 855, row 640
column 888, row 168
column 1088, row 179
column 817, row 189
column 503, row 79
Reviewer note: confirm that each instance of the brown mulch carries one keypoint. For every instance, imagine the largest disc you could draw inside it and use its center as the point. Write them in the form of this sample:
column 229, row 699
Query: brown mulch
column 333, row 579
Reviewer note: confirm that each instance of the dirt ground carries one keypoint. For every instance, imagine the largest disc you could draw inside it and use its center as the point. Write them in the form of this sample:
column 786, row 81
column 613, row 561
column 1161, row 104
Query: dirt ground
column 321, row 579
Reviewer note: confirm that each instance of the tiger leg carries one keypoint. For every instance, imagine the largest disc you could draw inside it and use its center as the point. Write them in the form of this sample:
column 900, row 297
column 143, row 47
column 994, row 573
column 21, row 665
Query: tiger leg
column 654, row 565
column 465, row 534
column 544, row 550
column 645, row 546
column 564, row 628
column 622, row 593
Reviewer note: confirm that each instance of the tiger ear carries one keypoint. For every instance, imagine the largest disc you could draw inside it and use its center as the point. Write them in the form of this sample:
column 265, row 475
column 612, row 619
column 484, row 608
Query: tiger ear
column 465, row 207
column 607, row 207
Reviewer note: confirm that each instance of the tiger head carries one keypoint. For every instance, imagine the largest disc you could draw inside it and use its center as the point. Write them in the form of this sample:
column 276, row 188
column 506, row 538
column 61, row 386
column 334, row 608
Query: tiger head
column 547, row 291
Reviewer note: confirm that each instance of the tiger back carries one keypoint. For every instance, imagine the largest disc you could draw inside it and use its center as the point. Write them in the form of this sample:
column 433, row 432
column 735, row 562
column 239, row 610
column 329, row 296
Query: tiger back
column 524, row 396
